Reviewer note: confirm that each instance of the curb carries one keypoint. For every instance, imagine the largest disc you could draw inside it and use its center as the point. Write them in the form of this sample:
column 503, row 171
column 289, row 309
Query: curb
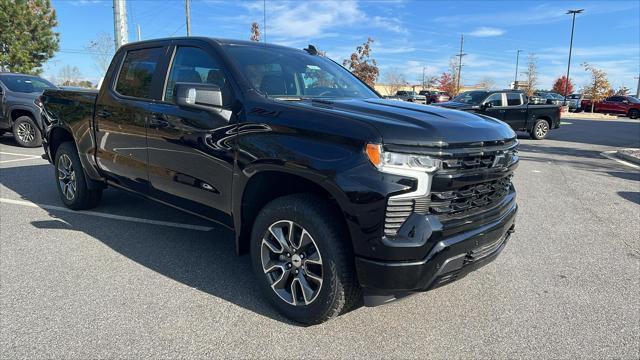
column 629, row 158
column 587, row 115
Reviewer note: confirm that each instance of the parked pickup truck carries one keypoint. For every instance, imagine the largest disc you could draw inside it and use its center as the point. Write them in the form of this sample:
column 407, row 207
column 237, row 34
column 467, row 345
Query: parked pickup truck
column 510, row 106
column 340, row 197
column 19, row 107
column 411, row 96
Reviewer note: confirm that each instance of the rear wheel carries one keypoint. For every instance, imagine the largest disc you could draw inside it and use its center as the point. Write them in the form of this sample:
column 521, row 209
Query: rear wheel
column 302, row 260
column 634, row 113
column 540, row 130
column 72, row 183
column 26, row 132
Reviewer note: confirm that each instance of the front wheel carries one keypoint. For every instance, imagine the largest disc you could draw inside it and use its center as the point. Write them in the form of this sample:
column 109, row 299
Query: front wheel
column 26, row 132
column 302, row 259
column 72, row 183
column 540, row 130
column 634, row 114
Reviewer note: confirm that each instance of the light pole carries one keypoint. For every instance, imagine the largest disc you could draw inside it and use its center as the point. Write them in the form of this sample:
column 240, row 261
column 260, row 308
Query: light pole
column 515, row 81
column 573, row 25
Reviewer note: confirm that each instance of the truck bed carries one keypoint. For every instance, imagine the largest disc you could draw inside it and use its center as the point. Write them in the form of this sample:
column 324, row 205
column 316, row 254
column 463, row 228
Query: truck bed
column 70, row 105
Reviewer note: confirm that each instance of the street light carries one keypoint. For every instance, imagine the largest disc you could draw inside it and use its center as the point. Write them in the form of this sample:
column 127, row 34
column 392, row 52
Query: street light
column 515, row 81
column 573, row 24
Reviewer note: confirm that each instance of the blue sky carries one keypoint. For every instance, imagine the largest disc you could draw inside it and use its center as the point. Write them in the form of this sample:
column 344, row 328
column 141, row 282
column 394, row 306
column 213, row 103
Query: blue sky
column 409, row 35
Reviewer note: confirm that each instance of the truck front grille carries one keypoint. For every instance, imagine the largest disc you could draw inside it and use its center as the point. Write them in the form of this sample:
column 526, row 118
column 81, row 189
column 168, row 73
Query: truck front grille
column 448, row 203
column 469, row 198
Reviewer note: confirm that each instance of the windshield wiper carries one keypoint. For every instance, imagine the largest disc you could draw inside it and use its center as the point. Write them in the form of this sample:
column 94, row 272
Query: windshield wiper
column 289, row 98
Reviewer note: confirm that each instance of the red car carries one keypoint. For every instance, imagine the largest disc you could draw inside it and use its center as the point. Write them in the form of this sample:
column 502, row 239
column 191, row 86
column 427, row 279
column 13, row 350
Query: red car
column 626, row 105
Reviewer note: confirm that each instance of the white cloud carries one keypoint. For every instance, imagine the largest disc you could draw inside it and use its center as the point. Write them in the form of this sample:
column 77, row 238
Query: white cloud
column 307, row 19
column 391, row 24
column 486, row 32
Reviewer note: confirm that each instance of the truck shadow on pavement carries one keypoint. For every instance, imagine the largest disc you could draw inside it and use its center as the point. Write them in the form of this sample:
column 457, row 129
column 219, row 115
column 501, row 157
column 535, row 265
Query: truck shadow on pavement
column 204, row 260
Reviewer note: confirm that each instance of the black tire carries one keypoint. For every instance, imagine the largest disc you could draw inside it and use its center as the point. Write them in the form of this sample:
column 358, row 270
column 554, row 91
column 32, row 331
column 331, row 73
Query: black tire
column 83, row 197
column 26, row 133
column 540, row 130
column 339, row 290
column 634, row 114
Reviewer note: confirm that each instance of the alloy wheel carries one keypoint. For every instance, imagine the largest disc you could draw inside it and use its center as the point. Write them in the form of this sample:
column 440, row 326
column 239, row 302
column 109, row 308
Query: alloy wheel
column 66, row 177
column 541, row 129
column 26, row 132
column 292, row 263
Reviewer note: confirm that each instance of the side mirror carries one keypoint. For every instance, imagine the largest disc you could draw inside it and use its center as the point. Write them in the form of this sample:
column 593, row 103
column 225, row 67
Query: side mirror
column 625, row 101
column 198, row 96
column 487, row 105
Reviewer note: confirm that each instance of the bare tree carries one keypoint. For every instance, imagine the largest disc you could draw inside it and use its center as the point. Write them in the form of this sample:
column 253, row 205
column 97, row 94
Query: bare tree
column 101, row 50
column 487, row 83
column 430, row 82
column 395, row 80
column 255, row 32
column 599, row 87
column 69, row 76
column 362, row 65
column 531, row 74
column 453, row 73
column 622, row 91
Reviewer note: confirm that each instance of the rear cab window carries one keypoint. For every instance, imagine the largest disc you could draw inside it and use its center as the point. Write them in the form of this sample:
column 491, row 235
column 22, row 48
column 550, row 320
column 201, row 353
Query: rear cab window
column 514, row 99
column 137, row 71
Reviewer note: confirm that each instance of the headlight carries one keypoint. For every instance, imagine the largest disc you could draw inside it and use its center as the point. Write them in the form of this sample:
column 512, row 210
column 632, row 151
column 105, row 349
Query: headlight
column 385, row 160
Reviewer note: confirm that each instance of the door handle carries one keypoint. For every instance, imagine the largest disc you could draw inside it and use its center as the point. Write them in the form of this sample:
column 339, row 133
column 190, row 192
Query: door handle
column 103, row 113
column 158, row 121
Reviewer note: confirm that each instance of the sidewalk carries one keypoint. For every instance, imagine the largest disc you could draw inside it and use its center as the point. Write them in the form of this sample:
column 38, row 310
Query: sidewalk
column 587, row 115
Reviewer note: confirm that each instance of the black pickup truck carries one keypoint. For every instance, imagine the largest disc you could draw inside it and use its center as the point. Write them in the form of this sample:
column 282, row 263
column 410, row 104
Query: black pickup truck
column 510, row 106
column 339, row 196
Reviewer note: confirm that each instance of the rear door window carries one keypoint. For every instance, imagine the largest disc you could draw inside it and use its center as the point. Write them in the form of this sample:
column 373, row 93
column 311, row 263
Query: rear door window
column 514, row 99
column 137, row 72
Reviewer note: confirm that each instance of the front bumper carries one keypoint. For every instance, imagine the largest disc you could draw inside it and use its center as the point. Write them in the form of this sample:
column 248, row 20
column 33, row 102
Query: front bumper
column 450, row 259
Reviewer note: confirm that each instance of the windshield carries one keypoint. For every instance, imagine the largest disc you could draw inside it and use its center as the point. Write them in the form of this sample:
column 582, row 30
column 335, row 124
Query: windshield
column 25, row 83
column 294, row 75
column 471, row 97
column 633, row 100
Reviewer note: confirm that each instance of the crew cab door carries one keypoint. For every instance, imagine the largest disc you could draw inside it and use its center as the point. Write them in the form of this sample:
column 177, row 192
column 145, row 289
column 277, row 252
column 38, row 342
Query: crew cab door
column 122, row 113
column 190, row 148
column 515, row 113
column 493, row 106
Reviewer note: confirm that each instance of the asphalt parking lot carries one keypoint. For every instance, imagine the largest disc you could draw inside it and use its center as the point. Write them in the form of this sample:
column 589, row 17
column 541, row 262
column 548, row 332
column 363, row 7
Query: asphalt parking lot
column 135, row 279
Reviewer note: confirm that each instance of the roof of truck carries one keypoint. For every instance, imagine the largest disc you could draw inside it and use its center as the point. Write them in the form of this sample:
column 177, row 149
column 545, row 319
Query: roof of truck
column 218, row 41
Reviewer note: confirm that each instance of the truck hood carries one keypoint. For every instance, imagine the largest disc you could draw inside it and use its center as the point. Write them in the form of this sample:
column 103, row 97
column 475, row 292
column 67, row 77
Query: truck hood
column 405, row 123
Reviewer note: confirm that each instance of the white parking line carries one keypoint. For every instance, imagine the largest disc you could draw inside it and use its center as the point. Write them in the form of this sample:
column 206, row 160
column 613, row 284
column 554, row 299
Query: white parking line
column 14, row 154
column 103, row 215
column 609, row 155
column 25, row 159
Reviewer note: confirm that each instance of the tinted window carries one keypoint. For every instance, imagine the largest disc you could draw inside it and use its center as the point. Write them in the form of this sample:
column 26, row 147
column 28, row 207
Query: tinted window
column 137, row 72
column 494, row 99
column 616, row 98
column 194, row 65
column 471, row 97
column 295, row 74
column 514, row 99
column 25, row 84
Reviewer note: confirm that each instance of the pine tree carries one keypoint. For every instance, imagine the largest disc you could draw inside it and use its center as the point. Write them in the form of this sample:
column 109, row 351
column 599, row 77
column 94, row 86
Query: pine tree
column 27, row 39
